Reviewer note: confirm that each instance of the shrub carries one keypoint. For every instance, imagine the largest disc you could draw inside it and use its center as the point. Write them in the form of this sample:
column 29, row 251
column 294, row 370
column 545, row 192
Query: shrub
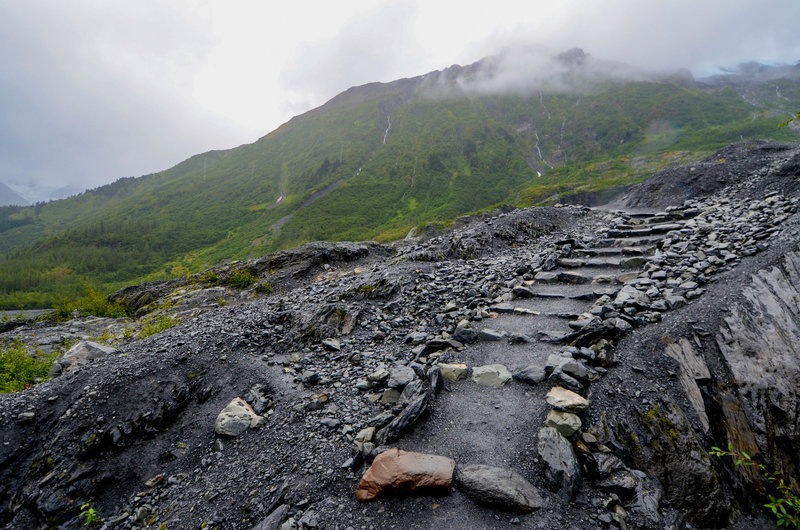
column 92, row 302
column 210, row 277
column 157, row 325
column 264, row 287
column 786, row 507
column 20, row 370
column 241, row 279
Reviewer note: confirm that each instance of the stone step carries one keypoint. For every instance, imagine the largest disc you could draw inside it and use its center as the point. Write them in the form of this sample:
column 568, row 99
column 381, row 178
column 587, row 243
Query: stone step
column 662, row 228
column 610, row 251
column 550, row 305
column 646, row 223
column 585, row 274
column 514, row 324
column 591, row 262
column 586, row 291
column 640, row 241
column 643, row 215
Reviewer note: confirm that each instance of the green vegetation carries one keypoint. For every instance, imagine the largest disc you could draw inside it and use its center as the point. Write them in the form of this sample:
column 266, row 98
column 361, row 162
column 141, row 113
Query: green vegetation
column 328, row 175
column 91, row 518
column 20, row 370
column 785, row 507
column 92, row 302
column 242, row 279
column 157, row 325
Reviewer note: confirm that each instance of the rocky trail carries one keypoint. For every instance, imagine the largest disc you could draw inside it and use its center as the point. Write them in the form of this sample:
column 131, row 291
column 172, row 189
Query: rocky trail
column 537, row 368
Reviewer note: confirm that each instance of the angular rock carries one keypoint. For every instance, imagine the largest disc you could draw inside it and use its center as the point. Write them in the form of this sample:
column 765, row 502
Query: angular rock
column 559, row 378
column 546, row 277
column 562, row 470
column 79, row 354
column 332, row 344
column 465, row 335
column 236, row 418
column 629, row 295
column 498, row 488
column 574, row 278
column 491, row 375
column 565, row 423
column 404, row 421
column 489, row 334
column 412, row 392
column 400, row 376
column 531, row 374
column 523, row 291
column 397, row 472
column 454, row 372
column 565, row 400
column 632, row 263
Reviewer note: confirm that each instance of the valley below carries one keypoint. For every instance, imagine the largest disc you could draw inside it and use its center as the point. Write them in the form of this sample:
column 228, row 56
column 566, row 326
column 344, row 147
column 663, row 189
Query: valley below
column 542, row 367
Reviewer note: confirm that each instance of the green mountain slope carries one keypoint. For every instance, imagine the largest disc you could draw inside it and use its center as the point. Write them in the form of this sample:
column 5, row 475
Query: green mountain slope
column 373, row 162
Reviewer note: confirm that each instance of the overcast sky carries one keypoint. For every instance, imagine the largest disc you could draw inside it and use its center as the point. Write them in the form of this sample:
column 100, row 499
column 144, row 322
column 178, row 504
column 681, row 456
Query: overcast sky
column 94, row 90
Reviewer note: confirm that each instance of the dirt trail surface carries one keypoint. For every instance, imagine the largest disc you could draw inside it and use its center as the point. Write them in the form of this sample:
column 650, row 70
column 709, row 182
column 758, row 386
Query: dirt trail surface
column 590, row 358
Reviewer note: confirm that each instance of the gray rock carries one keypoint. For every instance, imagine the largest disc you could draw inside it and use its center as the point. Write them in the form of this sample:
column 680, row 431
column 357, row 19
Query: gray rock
column 332, row 344
column 465, row 335
column 564, row 422
column 310, row 378
column 560, row 379
column 413, row 391
column 414, row 412
column 546, row 277
column 236, row 418
column 491, row 375
column 574, row 278
column 531, row 374
column 79, row 354
column 562, row 470
column 674, row 302
column 489, row 334
column 632, row 263
column 400, row 376
column 550, row 263
column 273, row 521
column 454, row 372
column 498, row 488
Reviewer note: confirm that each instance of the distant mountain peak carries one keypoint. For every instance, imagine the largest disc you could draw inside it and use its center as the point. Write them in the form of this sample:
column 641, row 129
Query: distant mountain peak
column 9, row 197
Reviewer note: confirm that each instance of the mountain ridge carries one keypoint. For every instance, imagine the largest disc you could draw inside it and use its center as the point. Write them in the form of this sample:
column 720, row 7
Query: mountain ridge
column 415, row 150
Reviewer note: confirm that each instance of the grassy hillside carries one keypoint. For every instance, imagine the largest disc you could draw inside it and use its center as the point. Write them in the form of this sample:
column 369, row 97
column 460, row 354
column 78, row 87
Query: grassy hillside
column 371, row 163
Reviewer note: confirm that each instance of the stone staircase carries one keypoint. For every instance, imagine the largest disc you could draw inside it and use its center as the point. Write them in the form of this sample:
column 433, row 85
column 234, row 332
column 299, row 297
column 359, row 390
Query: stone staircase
column 523, row 377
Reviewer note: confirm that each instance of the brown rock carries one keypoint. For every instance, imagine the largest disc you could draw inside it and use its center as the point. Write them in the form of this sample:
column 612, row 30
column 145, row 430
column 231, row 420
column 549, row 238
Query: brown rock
column 396, row 471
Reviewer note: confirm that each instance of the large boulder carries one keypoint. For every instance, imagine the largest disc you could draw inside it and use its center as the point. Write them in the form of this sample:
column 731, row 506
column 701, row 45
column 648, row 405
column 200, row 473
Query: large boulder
column 498, row 488
column 236, row 418
column 398, row 472
column 562, row 470
column 80, row 354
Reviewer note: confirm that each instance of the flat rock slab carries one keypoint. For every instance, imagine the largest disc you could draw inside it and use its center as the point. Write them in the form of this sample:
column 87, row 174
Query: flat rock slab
column 498, row 488
column 236, row 418
column 566, row 400
column 491, row 375
column 399, row 472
